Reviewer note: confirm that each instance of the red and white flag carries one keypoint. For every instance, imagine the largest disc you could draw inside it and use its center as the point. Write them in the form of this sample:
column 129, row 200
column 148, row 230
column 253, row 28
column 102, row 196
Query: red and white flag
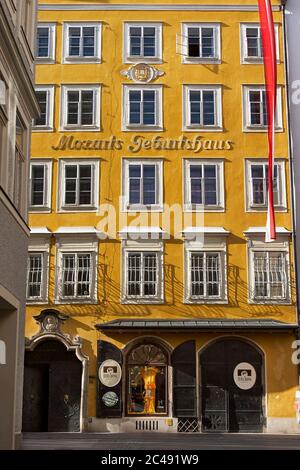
column 269, row 54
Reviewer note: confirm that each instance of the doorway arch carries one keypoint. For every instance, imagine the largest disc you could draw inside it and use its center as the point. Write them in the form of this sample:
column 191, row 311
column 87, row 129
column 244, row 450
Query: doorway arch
column 232, row 386
column 55, row 378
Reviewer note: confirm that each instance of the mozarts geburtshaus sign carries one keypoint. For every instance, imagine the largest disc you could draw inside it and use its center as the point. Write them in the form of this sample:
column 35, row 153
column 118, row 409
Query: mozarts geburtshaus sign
column 139, row 143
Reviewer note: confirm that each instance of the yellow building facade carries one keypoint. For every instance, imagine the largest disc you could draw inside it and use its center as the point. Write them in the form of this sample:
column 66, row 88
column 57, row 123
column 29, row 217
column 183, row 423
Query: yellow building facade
column 154, row 303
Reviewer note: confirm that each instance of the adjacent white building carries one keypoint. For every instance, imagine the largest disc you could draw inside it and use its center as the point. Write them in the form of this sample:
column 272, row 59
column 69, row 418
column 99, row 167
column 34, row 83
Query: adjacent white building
column 18, row 106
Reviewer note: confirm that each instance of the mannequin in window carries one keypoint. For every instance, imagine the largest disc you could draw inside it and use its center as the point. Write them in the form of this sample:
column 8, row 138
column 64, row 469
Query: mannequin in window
column 149, row 376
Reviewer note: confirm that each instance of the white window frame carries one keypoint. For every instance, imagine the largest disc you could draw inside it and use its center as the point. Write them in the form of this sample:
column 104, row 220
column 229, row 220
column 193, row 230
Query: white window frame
column 158, row 126
column 247, row 126
column 66, row 59
column 211, row 244
column 52, row 44
column 71, row 246
column 282, row 206
column 127, row 58
column 49, row 89
column 147, row 246
column 46, row 206
column 188, row 206
column 184, row 43
column 259, row 246
column 243, row 38
column 187, row 126
column 40, row 245
column 64, row 108
column 95, row 163
column 43, row 256
column 126, row 207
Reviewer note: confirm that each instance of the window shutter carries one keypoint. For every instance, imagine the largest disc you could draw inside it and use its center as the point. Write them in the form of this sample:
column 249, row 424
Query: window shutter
column 184, row 380
column 108, row 351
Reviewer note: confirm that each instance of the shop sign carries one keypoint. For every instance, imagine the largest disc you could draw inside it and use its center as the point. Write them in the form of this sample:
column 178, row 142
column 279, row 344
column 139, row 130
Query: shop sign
column 244, row 376
column 110, row 399
column 110, row 373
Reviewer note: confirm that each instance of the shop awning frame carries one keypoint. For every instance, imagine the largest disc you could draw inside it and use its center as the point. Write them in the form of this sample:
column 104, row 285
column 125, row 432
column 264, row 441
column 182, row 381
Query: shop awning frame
column 202, row 324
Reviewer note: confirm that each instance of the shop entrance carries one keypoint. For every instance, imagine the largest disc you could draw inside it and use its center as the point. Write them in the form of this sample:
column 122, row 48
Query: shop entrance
column 52, row 389
column 232, row 387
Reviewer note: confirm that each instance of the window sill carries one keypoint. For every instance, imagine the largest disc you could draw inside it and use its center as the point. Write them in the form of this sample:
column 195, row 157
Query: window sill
column 265, row 209
column 44, row 61
column 37, row 302
column 200, row 60
column 144, row 60
column 42, row 129
column 75, row 301
column 39, row 209
column 263, row 129
column 81, row 60
column 133, row 209
column 270, row 302
column 204, row 209
column 205, row 301
column 202, row 129
column 66, row 209
column 80, row 129
column 142, row 301
column 132, row 128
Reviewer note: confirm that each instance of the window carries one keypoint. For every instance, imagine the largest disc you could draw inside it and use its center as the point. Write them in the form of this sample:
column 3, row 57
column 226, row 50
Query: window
column 37, row 274
column 257, row 185
column 202, row 107
column 270, row 275
column 45, row 97
column 142, row 184
column 142, row 107
column 45, row 42
column 200, row 43
column 20, row 157
column 251, row 43
column 205, row 272
column 34, row 276
column 40, row 185
column 80, row 107
column 143, row 276
column 143, row 42
column 205, row 265
column 79, row 182
column 204, row 185
column 76, row 275
column 82, row 42
column 255, row 110
column 147, row 381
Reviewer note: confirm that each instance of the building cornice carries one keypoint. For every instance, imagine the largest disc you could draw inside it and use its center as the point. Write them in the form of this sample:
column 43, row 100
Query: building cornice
column 149, row 7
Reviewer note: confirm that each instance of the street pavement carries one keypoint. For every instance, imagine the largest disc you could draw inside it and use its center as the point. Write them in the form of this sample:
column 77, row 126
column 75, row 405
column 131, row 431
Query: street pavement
column 158, row 441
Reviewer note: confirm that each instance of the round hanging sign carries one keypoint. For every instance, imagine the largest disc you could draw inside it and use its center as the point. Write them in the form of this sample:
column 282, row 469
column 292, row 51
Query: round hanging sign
column 244, row 376
column 110, row 399
column 110, row 373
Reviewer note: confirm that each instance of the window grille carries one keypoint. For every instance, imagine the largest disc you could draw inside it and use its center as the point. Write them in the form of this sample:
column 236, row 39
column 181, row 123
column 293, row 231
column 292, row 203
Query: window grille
column 203, row 184
column 80, row 107
column 205, row 275
column 76, row 275
column 142, row 184
column 43, row 42
column 34, row 276
column 142, row 41
column 142, row 275
column 253, row 43
column 270, row 278
column 78, row 185
column 142, row 104
column 42, row 97
column 258, row 108
column 202, row 107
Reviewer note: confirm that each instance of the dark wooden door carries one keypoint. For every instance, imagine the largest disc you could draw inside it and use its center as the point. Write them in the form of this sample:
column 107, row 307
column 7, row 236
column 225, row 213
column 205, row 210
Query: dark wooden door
column 52, row 389
column 64, row 396
column 35, row 408
column 225, row 406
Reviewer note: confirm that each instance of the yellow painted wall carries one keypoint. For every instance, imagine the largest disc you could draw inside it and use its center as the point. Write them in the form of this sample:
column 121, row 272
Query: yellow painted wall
column 281, row 374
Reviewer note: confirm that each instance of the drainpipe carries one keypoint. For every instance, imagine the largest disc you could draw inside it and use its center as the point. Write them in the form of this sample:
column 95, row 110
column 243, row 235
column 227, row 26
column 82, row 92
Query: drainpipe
column 291, row 164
